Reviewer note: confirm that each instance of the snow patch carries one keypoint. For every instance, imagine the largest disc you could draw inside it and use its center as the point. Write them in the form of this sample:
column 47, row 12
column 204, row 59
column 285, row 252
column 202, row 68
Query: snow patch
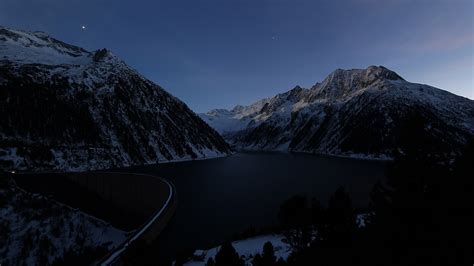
column 249, row 248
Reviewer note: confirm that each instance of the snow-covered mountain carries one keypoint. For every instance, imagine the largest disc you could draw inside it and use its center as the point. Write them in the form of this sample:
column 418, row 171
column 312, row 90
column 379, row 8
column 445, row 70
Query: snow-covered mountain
column 369, row 112
column 63, row 107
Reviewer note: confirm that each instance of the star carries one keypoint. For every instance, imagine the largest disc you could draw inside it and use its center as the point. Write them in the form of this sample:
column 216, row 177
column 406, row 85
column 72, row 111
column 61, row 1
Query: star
column 83, row 27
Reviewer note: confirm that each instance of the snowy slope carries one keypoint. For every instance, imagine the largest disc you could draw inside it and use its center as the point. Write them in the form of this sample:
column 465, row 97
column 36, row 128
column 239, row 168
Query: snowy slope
column 67, row 108
column 38, row 231
column 39, row 48
column 248, row 248
column 241, row 117
column 224, row 120
column 369, row 113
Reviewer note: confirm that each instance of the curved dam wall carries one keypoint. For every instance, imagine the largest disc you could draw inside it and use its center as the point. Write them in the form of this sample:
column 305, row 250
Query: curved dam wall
column 146, row 202
column 134, row 194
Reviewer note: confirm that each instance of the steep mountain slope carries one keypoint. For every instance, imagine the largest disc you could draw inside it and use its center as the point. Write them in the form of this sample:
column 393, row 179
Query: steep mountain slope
column 63, row 107
column 369, row 112
column 228, row 121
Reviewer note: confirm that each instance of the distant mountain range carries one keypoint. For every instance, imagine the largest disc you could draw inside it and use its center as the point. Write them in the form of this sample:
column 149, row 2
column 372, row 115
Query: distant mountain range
column 66, row 108
column 369, row 113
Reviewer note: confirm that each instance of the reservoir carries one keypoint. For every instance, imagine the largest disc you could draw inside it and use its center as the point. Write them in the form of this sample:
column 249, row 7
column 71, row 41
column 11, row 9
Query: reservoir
column 222, row 197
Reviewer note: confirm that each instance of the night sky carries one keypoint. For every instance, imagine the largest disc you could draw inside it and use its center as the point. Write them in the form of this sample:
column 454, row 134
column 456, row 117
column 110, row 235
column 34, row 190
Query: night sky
column 219, row 53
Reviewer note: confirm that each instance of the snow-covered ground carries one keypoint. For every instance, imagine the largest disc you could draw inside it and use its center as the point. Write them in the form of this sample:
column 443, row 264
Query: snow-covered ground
column 361, row 219
column 249, row 248
column 35, row 230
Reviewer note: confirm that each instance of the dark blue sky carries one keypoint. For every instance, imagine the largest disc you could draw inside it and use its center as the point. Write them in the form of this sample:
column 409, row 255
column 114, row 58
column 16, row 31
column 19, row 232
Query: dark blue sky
column 219, row 53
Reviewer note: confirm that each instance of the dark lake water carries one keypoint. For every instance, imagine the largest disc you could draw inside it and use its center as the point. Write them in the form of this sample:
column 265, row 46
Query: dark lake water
column 220, row 197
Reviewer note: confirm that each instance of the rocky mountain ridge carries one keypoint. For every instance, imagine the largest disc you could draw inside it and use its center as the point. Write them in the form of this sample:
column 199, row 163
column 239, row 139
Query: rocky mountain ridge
column 65, row 108
column 368, row 113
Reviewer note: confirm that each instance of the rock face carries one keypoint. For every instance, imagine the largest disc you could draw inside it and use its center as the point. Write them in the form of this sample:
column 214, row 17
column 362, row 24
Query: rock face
column 66, row 108
column 371, row 113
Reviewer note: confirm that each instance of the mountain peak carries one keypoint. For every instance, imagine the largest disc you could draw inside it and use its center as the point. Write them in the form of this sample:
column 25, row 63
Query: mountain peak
column 237, row 108
column 101, row 54
column 297, row 87
column 291, row 95
column 369, row 74
column 127, row 119
column 28, row 47
column 343, row 83
column 356, row 112
column 382, row 72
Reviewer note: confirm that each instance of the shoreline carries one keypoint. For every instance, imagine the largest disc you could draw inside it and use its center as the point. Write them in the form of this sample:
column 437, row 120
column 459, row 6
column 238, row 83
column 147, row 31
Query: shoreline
column 355, row 156
column 111, row 169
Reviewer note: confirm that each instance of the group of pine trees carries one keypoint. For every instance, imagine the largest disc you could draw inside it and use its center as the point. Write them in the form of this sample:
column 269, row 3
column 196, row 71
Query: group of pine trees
column 228, row 256
column 422, row 214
